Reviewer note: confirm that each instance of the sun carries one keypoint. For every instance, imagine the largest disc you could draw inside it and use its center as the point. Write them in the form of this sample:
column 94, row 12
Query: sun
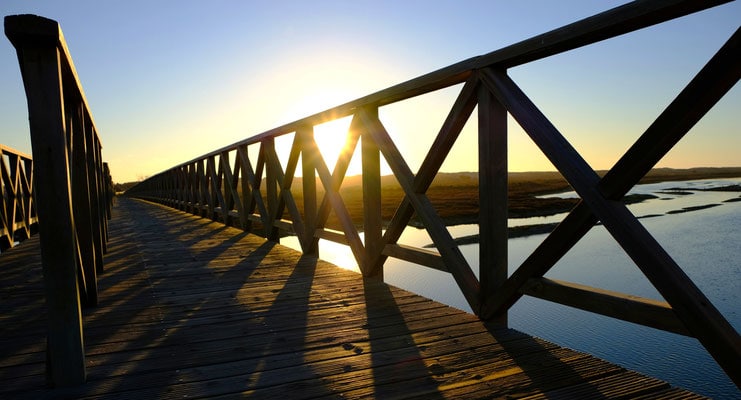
column 330, row 136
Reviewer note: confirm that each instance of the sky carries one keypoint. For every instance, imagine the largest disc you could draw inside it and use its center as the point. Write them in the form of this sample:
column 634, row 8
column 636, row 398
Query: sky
column 170, row 80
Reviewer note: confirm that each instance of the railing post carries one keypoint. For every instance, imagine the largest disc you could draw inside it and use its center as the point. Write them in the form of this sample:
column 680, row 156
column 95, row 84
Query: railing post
column 190, row 197
column 109, row 194
column 95, row 188
column 7, row 200
column 271, row 187
column 82, row 200
column 244, row 184
column 308, row 171
column 372, row 224
column 37, row 41
column 492, row 119
column 201, row 187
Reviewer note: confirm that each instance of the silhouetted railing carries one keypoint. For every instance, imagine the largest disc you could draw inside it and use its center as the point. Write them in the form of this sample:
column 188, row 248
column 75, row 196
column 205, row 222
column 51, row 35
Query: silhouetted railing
column 19, row 220
column 227, row 184
column 71, row 187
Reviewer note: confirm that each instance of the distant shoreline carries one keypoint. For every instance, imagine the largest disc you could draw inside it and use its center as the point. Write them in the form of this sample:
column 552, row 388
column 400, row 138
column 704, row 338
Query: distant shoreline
column 537, row 229
column 455, row 195
column 459, row 203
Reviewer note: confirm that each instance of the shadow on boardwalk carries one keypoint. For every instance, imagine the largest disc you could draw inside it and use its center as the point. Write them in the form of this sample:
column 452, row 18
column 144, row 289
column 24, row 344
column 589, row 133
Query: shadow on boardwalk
column 191, row 308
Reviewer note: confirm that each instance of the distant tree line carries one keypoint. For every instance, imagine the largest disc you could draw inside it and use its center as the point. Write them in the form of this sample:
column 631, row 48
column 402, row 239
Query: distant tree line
column 122, row 187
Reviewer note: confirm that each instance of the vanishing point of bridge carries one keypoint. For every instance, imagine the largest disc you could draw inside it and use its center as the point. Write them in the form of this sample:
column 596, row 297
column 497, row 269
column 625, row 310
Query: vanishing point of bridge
column 134, row 299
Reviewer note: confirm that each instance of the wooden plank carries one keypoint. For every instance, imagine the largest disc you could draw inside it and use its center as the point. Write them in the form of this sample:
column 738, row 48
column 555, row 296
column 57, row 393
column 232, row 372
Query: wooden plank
column 95, row 188
column 272, row 170
column 372, row 221
column 193, row 187
column 285, row 225
column 425, row 257
column 493, row 195
column 308, row 170
column 647, row 312
column 613, row 385
column 82, row 205
column 331, row 235
column 242, row 162
column 228, row 186
column 202, row 187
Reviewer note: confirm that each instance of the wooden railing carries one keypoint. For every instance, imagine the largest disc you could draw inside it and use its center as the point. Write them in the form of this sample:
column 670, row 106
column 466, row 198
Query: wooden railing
column 18, row 211
column 256, row 192
column 71, row 188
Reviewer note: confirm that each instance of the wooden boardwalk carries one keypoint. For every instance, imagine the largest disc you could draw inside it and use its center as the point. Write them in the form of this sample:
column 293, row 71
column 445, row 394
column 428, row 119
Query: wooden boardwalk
column 189, row 308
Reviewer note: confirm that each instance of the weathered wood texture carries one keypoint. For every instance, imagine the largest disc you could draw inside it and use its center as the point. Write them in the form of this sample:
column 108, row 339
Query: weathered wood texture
column 191, row 308
column 18, row 219
column 69, row 187
column 683, row 309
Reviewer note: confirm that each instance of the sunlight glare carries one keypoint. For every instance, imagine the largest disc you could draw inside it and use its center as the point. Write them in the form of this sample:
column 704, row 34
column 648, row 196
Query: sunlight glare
column 331, row 138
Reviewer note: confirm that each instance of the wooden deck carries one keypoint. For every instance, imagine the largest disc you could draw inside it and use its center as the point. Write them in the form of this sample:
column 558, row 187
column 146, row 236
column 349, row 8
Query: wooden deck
column 189, row 308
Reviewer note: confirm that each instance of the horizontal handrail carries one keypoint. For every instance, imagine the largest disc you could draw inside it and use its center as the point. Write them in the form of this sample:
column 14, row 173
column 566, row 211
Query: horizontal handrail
column 255, row 192
column 71, row 187
column 18, row 211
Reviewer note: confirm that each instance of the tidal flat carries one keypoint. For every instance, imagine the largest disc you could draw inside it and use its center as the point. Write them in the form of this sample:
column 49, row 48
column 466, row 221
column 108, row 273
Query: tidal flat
column 530, row 194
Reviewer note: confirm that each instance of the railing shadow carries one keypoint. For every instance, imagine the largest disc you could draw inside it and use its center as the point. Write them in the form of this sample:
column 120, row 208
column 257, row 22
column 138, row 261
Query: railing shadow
column 396, row 366
column 203, row 336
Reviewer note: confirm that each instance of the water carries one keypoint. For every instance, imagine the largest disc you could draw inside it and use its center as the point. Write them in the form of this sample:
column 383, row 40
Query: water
column 705, row 243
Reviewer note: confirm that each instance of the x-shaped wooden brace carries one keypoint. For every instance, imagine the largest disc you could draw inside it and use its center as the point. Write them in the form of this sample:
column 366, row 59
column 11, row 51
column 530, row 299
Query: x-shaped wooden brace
column 284, row 181
column 251, row 182
column 415, row 187
column 21, row 188
column 332, row 182
column 601, row 201
column 8, row 201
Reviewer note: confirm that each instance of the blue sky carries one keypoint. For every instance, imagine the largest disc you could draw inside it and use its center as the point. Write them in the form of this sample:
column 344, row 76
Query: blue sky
column 170, row 80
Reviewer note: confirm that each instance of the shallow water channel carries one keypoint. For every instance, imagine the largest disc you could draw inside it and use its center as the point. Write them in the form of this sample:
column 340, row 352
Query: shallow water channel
column 704, row 241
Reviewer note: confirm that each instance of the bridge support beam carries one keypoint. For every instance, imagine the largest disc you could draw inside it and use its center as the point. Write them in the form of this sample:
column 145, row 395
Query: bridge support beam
column 493, row 178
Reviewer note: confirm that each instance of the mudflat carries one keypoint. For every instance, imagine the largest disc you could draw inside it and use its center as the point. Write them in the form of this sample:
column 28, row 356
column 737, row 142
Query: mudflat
column 455, row 195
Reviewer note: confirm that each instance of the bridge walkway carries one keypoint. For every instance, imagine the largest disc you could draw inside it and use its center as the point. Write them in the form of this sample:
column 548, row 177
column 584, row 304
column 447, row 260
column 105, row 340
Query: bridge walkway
column 190, row 308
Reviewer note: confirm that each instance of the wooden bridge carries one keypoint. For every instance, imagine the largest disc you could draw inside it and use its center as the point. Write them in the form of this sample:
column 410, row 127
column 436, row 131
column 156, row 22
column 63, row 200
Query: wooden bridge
column 189, row 308
column 186, row 302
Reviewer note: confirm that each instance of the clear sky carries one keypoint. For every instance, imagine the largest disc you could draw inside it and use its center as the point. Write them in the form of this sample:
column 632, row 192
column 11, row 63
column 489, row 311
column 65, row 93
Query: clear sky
column 170, row 80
